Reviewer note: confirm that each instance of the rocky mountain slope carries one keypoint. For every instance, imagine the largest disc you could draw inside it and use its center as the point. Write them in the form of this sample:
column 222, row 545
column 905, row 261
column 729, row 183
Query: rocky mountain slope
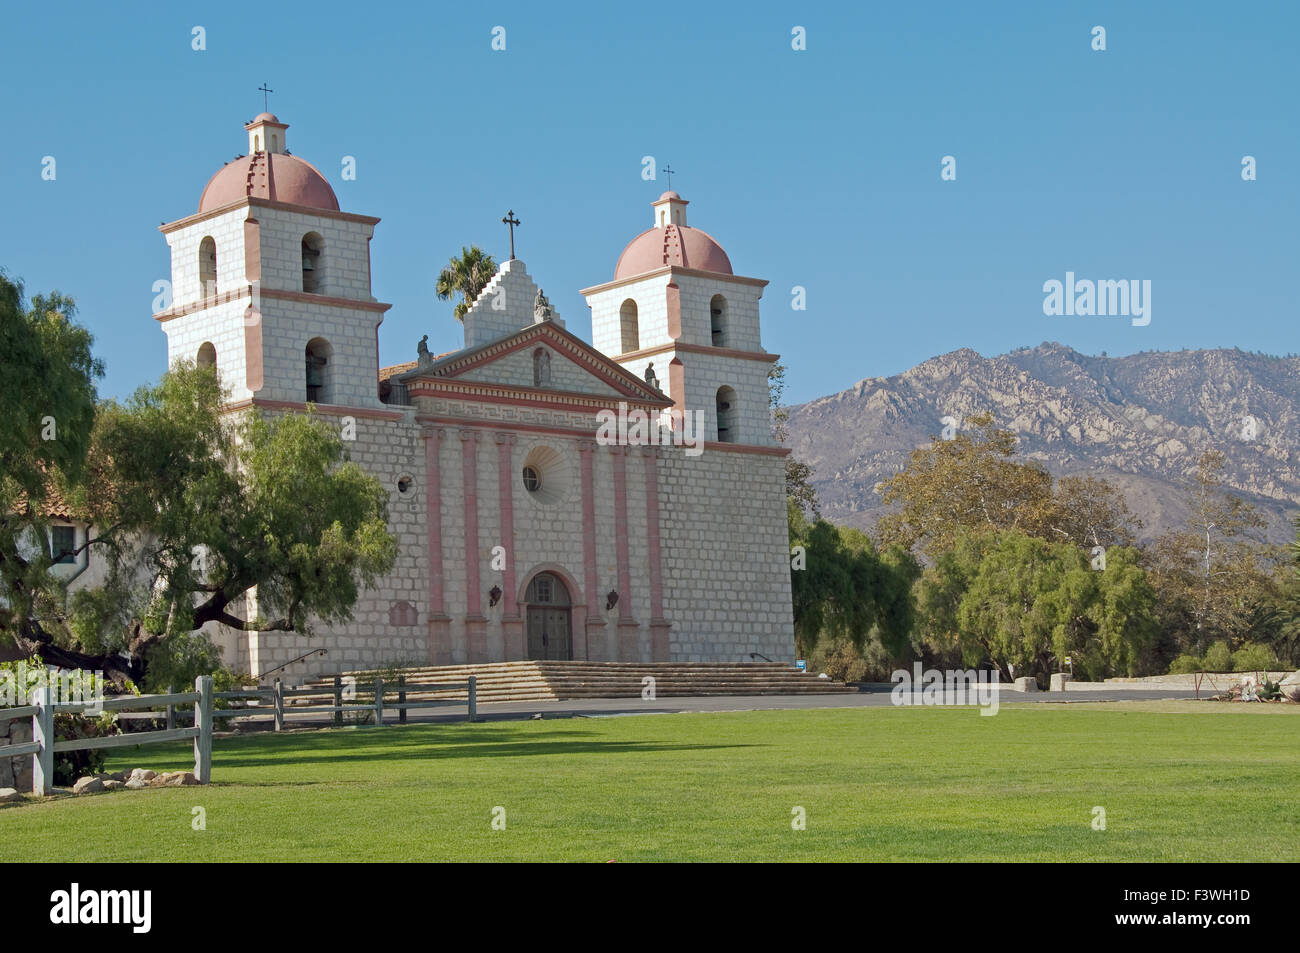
column 1141, row 421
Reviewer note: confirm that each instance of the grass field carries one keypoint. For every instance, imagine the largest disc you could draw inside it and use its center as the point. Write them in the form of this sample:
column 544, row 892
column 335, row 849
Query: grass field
column 1178, row 781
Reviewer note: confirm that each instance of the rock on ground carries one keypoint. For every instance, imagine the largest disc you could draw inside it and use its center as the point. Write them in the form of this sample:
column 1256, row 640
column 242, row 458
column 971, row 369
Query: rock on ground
column 173, row 779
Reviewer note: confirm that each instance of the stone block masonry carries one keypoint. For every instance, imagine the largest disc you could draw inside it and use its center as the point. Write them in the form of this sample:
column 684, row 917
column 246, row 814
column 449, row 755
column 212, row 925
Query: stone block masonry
column 496, row 480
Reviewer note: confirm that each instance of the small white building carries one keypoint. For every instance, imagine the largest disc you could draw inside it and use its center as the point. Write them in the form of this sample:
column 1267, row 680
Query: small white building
column 524, row 529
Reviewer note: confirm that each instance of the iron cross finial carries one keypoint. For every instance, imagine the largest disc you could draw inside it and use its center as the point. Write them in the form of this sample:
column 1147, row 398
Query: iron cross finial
column 668, row 170
column 512, row 222
column 265, row 90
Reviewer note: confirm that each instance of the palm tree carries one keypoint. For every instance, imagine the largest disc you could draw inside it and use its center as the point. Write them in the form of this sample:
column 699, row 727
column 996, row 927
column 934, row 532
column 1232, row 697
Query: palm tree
column 467, row 276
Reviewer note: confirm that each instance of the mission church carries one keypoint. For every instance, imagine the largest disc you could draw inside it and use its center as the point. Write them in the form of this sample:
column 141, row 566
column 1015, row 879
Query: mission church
column 521, row 533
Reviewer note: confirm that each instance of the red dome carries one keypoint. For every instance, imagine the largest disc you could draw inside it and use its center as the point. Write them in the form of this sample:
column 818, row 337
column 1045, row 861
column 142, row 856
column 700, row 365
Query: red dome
column 269, row 175
column 678, row 245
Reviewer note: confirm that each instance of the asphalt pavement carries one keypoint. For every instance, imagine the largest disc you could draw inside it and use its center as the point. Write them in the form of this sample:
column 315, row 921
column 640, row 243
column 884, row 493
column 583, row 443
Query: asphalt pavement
column 869, row 698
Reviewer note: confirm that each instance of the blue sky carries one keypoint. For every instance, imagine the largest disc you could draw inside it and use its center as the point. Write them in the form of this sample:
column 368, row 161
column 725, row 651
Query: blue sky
column 818, row 168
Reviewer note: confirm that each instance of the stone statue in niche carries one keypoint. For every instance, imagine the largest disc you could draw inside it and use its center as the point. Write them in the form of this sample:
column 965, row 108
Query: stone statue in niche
column 541, row 308
column 651, row 377
column 541, row 368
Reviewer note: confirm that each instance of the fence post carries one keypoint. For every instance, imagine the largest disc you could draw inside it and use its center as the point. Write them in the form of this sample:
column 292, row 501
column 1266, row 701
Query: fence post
column 171, row 712
column 379, row 701
column 279, row 705
column 203, row 721
column 338, row 699
column 473, row 698
column 43, row 732
column 401, row 700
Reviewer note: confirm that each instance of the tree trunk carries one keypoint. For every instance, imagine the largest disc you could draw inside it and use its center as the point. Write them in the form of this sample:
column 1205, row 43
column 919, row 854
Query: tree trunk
column 114, row 667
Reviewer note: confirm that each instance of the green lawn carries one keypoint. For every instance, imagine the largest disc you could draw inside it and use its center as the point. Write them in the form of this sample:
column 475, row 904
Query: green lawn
column 1178, row 782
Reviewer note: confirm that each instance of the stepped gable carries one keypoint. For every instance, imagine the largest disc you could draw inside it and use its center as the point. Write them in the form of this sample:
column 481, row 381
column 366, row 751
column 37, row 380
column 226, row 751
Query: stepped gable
column 507, row 303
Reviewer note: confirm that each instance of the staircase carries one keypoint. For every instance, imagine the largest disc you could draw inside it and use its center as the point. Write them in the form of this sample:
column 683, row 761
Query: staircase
column 564, row 681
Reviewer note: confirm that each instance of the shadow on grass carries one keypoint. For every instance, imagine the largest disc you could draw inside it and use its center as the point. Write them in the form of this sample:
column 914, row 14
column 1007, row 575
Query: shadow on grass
column 427, row 742
column 485, row 750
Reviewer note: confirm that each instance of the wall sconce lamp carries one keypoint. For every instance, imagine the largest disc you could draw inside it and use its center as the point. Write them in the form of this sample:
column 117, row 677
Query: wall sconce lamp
column 611, row 601
column 494, row 596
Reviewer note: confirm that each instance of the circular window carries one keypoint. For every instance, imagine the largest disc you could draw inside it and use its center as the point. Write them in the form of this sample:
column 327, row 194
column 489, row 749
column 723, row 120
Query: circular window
column 404, row 484
column 532, row 479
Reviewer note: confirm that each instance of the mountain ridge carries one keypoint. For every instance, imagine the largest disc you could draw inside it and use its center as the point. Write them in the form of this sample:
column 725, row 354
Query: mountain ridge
column 1141, row 420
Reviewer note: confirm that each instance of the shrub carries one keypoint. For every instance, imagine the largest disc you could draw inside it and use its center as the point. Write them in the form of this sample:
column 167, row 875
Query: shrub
column 1187, row 665
column 1218, row 658
column 226, row 680
column 23, row 677
column 844, row 663
column 70, row 765
column 1269, row 691
column 178, row 660
column 1254, row 657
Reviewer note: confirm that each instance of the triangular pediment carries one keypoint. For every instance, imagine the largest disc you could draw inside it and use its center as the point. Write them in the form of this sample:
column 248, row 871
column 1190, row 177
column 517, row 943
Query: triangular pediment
column 574, row 367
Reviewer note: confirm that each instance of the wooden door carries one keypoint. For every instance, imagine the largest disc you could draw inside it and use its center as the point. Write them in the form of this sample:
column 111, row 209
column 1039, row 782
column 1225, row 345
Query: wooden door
column 549, row 619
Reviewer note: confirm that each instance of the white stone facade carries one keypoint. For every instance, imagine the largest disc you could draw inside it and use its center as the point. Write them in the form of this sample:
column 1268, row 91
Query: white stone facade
column 664, row 554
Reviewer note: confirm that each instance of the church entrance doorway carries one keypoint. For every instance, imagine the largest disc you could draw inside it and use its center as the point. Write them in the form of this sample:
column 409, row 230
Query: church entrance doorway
column 550, row 613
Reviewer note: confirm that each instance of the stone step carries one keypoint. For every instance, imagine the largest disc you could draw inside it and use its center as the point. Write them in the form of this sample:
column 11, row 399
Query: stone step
column 628, row 678
column 484, row 677
column 559, row 680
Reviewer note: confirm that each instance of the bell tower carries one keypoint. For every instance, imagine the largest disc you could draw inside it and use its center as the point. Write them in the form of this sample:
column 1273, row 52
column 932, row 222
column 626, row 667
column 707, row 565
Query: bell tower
column 675, row 303
column 270, row 282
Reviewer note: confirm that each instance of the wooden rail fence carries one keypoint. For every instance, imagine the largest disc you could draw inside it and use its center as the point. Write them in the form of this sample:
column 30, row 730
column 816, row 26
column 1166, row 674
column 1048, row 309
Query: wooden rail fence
column 43, row 745
column 277, row 701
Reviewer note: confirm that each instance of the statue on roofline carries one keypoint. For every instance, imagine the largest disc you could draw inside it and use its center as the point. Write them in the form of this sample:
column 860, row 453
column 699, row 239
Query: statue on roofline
column 541, row 308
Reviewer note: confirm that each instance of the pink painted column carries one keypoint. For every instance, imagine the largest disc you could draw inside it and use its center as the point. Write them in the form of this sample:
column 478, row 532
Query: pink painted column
column 677, row 386
column 673, row 299
column 659, row 626
column 475, row 621
column 439, row 623
column 592, row 632
column 512, row 626
column 628, row 628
